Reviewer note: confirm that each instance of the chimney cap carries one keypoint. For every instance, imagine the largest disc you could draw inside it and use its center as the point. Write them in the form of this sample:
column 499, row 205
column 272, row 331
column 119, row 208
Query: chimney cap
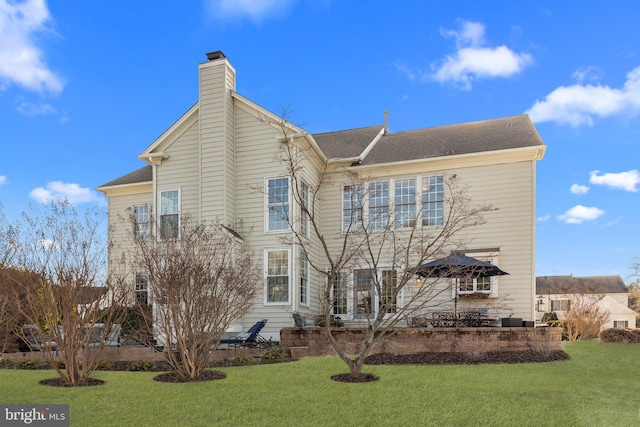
column 212, row 56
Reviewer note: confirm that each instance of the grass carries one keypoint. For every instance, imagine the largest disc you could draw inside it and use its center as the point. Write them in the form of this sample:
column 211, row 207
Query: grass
column 597, row 387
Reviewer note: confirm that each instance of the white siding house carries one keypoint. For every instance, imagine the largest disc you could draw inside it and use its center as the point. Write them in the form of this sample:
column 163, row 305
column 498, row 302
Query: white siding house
column 213, row 159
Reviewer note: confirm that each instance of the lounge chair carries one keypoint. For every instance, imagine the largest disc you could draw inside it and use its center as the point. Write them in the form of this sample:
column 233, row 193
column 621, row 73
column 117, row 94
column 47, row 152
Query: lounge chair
column 251, row 338
column 113, row 339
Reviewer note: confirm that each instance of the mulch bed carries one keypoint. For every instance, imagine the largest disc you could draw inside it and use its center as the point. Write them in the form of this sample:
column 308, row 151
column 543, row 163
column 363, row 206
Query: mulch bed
column 174, row 377
column 59, row 382
column 458, row 358
column 361, row 378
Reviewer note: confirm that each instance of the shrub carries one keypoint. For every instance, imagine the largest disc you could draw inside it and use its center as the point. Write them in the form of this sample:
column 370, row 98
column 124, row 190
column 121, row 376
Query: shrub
column 27, row 364
column 60, row 364
column 103, row 364
column 244, row 360
column 619, row 335
column 273, row 355
column 142, row 365
column 6, row 364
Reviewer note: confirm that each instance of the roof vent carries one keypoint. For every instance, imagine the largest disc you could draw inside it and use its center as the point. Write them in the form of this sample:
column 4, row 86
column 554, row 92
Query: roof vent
column 212, row 56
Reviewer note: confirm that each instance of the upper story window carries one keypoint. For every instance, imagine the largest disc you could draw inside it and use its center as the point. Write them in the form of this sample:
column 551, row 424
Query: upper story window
column 277, row 204
column 306, row 202
column 277, row 272
column 352, row 202
column 396, row 199
column 169, row 214
column 405, row 203
column 141, row 221
column 432, row 200
column 379, row 205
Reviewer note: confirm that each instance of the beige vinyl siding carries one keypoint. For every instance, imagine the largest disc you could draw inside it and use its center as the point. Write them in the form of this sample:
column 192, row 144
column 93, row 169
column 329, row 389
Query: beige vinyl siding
column 181, row 171
column 121, row 230
column 216, row 138
column 257, row 157
column 509, row 187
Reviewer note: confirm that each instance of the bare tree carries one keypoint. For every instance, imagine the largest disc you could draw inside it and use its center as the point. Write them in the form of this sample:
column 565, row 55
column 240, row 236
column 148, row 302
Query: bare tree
column 62, row 290
column 584, row 317
column 385, row 256
column 202, row 280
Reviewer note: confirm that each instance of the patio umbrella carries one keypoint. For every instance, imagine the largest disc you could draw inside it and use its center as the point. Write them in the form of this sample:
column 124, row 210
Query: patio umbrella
column 458, row 266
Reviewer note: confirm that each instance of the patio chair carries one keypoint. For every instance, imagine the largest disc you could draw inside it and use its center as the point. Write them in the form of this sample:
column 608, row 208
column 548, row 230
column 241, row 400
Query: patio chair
column 301, row 320
column 251, row 338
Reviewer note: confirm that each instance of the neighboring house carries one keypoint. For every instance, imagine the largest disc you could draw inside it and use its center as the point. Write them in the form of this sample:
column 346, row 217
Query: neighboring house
column 556, row 293
column 211, row 161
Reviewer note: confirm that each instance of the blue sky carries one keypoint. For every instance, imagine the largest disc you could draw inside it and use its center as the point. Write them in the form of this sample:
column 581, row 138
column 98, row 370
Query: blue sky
column 86, row 86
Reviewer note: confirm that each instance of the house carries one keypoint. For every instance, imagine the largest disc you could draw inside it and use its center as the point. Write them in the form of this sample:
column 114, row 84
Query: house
column 210, row 162
column 609, row 293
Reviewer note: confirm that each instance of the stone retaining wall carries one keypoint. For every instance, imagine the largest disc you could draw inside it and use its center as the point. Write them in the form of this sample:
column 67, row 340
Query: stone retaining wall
column 298, row 342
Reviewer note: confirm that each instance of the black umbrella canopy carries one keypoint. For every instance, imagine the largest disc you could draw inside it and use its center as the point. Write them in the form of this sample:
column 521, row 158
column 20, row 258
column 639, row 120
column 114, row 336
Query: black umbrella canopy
column 459, row 266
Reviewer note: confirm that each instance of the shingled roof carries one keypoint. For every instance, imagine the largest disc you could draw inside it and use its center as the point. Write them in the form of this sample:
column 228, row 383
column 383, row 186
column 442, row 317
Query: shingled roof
column 546, row 285
column 465, row 138
column 144, row 174
column 346, row 143
column 442, row 141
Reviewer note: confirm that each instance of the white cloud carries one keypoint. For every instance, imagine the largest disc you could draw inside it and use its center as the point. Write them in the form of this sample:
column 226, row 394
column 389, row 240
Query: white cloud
column 3, row 180
column 579, row 189
column 473, row 60
column 56, row 190
column 21, row 61
column 31, row 110
column 257, row 10
column 578, row 214
column 544, row 218
column 627, row 181
column 579, row 104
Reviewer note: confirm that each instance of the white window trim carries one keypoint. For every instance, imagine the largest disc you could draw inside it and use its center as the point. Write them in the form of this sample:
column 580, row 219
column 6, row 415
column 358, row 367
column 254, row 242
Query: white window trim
column 306, row 303
column 267, row 230
column 354, row 226
column 266, row 276
column 305, row 220
column 159, row 216
column 493, row 293
column 135, row 285
column 351, row 289
column 392, row 201
column 149, row 207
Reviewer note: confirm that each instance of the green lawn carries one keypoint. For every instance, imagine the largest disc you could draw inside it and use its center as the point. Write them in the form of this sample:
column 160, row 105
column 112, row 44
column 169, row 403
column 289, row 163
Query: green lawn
column 597, row 387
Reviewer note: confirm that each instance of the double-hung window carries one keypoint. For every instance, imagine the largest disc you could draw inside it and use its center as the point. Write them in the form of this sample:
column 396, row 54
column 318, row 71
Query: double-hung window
column 169, row 214
column 142, row 288
column 352, row 203
column 432, row 200
column 405, row 203
column 304, row 278
column 306, row 207
column 277, row 272
column 141, row 221
column 277, row 204
column 379, row 205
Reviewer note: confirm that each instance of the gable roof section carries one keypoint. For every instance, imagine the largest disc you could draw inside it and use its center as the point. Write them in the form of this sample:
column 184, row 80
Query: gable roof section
column 144, row 174
column 458, row 139
column 560, row 285
column 346, row 144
